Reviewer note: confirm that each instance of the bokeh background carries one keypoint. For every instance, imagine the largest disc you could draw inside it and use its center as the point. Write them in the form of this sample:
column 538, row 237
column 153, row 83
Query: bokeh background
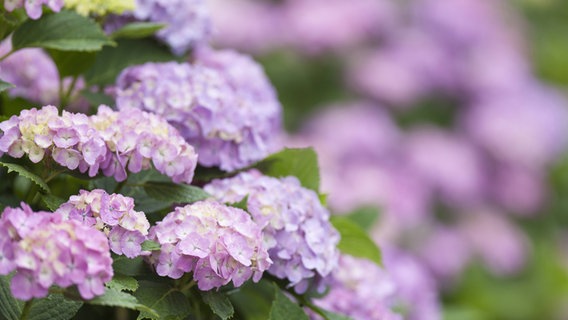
column 444, row 123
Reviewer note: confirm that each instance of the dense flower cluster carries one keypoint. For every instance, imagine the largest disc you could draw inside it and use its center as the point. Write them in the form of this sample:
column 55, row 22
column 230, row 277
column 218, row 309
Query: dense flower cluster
column 298, row 235
column 361, row 290
column 34, row 8
column 46, row 250
column 109, row 141
column 113, row 214
column 219, row 244
column 223, row 104
column 187, row 21
column 100, row 7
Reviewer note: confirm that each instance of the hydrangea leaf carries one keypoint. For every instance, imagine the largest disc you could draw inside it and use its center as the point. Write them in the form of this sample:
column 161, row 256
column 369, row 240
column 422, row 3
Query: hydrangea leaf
column 219, row 304
column 355, row 241
column 137, row 30
column 150, row 245
column 168, row 302
column 116, row 298
column 52, row 202
column 72, row 63
column 52, row 32
column 130, row 267
column 334, row 316
column 301, row 163
column 174, row 193
column 10, row 308
column 112, row 60
column 284, row 309
column 12, row 167
column 5, row 85
column 365, row 216
column 121, row 283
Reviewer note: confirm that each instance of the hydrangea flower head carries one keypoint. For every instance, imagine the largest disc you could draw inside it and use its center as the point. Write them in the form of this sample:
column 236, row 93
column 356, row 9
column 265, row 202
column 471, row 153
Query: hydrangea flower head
column 223, row 104
column 300, row 239
column 113, row 214
column 34, row 8
column 219, row 244
column 46, row 250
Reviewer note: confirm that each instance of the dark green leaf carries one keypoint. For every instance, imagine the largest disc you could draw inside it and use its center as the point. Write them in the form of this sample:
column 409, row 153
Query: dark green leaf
column 52, row 202
column 5, row 85
column 10, row 308
column 174, row 193
column 301, row 163
column 97, row 98
column 284, row 309
column 72, row 63
column 116, row 298
column 130, row 267
column 355, row 241
column 66, row 30
column 165, row 300
column 54, row 307
column 121, row 283
column 26, row 174
column 150, row 245
column 219, row 304
column 112, row 60
column 137, row 30
column 365, row 217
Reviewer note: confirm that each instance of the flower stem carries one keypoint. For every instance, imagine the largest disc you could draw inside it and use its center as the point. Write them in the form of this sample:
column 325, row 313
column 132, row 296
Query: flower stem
column 26, row 310
column 7, row 55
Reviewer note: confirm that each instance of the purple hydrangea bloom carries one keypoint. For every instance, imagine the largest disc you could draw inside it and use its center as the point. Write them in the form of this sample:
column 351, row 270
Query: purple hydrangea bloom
column 34, row 8
column 46, row 250
column 361, row 290
column 223, row 104
column 297, row 233
column 219, row 244
column 109, row 141
column 188, row 23
column 113, row 214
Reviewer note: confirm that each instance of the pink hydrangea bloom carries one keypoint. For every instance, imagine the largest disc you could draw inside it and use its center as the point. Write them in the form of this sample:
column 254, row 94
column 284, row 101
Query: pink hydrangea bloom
column 34, row 8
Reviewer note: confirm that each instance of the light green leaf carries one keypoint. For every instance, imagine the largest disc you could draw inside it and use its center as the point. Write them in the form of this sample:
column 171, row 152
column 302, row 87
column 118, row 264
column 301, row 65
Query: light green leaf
column 116, row 298
column 334, row 316
column 5, row 85
column 165, row 300
column 174, row 193
column 241, row 204
column 219, row 304
column 128, row 52
column 365, row 217
column 301, row 163
column 25, row 173
column 52, row 202
column 123, row 283
column 66, row 30
column 137, row 30
column 355, row 241
column 150, row 245
column 284, row 309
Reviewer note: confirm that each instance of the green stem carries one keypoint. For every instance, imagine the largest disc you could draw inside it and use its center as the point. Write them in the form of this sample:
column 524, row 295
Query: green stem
column 119, row 186
column 53, row 175
column 26, row 311
column 64, row 99
column 7, row 55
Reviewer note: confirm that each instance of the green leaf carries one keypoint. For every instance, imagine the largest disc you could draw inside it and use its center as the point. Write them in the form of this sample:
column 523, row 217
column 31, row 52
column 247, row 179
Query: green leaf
column 121, row 283
column 116, row 298
column 5, row 85
column 25, row 173
column 72, row 63
column 284, row 309
column 365, row 217
column 112, row 60
column 355, row 241
column 97, row 98
column 241, row 204
column 219, row 304
column 301, row 163
column 10, row 308
column 150, row 245
column 52, row 202
column 137, row 30
column 165, row 300
column 174, row 193
column 130, row 267
column 66, row 30
column 334, row 316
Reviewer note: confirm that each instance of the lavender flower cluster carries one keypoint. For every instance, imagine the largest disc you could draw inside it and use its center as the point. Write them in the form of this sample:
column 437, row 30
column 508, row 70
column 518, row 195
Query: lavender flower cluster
column 109, row 141
column 223, row 104
column 219, row 244
column 297, row 233
column 46, row 250
column 112, row 214
column 34, row 8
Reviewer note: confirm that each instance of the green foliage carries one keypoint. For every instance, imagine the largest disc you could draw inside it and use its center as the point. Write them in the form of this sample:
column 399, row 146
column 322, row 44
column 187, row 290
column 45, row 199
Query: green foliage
column 165, row 300
column 52, row 31
column 302, row 163
column 123, row 283
column 117, row 298
column 171, row 193
column 364, row 217
column 5, row 85
column 10, row 308
column 219, row 304
column 130, row 267
column 12, row 167
column 52, row 202
column 355, row 241
column 137, row 30
column 284, row 309
column 72, row 63
column 150, row 245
